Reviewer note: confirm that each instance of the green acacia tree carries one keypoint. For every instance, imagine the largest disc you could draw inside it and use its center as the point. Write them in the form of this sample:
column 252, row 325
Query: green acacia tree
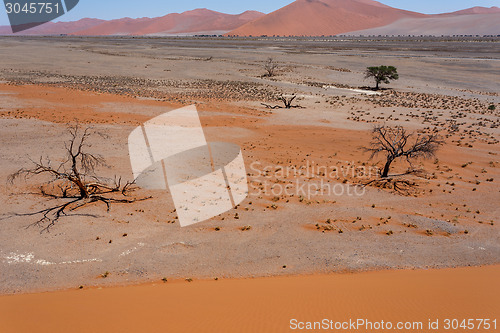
column 382, row 74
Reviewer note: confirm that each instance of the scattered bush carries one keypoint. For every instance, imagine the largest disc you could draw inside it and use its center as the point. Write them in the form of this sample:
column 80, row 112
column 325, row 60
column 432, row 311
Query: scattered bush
column 270, row 67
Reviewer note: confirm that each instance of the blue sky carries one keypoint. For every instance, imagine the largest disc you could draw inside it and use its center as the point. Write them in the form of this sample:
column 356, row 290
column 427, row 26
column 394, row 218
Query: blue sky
column 110, row 9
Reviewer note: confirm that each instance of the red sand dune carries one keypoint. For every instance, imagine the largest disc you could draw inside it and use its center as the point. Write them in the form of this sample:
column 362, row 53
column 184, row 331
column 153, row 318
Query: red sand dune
column 190, row 22
column 194, row 21
column 324, row 17
column 264, row 305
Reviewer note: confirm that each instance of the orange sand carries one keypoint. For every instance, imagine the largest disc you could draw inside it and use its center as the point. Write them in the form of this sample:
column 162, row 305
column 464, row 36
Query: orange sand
column 260, row 305
column 325, row 17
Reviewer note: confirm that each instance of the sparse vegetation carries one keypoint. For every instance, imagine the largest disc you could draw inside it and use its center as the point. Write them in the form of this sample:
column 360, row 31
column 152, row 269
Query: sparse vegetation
column 270, row 67
column 290, row 151
column 287, row 103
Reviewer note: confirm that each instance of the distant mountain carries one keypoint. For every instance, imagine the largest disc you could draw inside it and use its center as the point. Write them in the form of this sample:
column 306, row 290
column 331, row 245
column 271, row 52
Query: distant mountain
column 324, row 17
column 300, row 18
column 198, row 21
column 57, row 28
column 190, row 22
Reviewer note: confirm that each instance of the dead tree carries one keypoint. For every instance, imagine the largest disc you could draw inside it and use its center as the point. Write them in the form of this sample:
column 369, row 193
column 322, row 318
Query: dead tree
column 394, row 143
column 74, row 181
column 287, row 102
column 270, row 67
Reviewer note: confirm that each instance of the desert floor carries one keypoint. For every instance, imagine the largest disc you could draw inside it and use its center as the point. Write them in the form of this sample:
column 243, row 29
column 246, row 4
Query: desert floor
column 447, row 218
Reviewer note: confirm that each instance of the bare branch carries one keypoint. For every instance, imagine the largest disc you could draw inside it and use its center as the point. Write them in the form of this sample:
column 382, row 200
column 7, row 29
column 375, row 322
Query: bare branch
column 70, row 180
column 394, row 143
column 287, row 102
column 270, row 67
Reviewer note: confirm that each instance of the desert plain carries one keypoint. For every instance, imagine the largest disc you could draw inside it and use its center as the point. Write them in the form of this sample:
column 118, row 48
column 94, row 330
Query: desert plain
column 444, row 218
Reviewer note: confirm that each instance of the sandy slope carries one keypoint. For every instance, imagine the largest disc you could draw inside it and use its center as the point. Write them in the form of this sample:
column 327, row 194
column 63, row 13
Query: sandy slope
column 475, row 24
column 323, row 17
column 476, row 10
column 263, row 305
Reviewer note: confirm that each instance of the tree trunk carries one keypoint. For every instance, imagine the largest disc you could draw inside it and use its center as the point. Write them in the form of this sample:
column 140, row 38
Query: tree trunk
column 76, row 179
column 378, row 82
column 84, row 193
column 385, row 173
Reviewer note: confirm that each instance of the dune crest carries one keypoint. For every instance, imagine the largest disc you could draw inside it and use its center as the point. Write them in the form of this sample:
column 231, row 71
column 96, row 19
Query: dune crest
column 193, row 21
column 324, row 17
column 477, row 10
